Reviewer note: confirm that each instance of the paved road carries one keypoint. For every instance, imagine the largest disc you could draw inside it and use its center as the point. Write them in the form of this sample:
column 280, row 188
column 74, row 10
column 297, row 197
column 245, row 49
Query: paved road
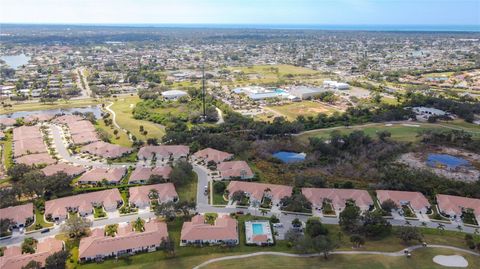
column 203, row 179
column 65, row 155
column 352, row 252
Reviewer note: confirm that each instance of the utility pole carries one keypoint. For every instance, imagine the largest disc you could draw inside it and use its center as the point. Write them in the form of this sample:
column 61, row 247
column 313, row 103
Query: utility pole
column 204, row 91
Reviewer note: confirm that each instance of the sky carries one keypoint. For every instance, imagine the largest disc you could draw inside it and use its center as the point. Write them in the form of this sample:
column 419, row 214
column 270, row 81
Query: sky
column 283, row 12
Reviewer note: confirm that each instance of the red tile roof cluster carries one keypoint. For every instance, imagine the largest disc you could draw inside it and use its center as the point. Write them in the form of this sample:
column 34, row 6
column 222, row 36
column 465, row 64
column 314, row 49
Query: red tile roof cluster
column 66, row 119
column 17, row 213
column 105, row 150
column 416, row 199
column 224, row 228
column 210, row 154
column 139, row 195
column 98, row 244
column 84, row 202
column 258, row 190
column 14, row 259
column 82, row 131
column 163, row 152
column 338, row 197
column 143, row 173
column 453, row 205
column 28, row 140
column 235, row 169
column 68, row 169
column 111, row 175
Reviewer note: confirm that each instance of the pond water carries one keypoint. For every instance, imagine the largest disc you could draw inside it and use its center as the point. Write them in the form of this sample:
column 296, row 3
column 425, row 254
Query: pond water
column 435, row 160
column 15, row 61
column 94, row 109
column 290, row 157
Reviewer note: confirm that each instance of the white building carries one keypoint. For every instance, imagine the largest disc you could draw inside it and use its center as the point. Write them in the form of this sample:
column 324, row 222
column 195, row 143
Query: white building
column 304, row 92
column 331, row 84
column 173, row 94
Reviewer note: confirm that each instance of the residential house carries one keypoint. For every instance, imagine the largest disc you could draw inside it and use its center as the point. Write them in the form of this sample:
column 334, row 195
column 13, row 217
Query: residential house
column 338, row 198
column 98, row 175
column 68, row 169
column 142, row 174
column 212, row 155
column 126, row 242
column 58, row 209
column 235, row 170
column 454, row 206
column 20, row 214
column 105, row 150
column 14, row 259
column 257, row 191
column 415, row 200
column 198, row 232
column 141, row 196
column 163, row 153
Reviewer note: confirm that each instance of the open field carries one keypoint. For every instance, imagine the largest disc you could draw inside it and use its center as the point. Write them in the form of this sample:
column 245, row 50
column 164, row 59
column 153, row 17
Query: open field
column 41, row 106
column 283, row 69
column 305, row 108
column 401, row 132
column 123, row 107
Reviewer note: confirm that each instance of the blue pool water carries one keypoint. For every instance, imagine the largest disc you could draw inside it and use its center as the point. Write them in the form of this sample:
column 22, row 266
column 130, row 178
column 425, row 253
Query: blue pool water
column 257, row 228
column 280, row 91
column 289, row 157
column 446, row 160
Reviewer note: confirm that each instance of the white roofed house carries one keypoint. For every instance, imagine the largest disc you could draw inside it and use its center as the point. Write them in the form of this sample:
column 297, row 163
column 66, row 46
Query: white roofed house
column 173, row 94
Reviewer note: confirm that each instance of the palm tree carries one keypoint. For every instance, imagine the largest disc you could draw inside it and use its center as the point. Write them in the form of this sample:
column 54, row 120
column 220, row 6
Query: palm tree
column 139, row 225
column 111, row 230
column 153, row 194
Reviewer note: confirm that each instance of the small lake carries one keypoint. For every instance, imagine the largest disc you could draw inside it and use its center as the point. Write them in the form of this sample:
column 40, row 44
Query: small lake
column 435, row 160
column 19, row 114
column 15, row 61
column 290, row 157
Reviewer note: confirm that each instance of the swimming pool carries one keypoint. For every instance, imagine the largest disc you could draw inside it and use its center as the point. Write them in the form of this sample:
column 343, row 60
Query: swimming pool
column 257, row 228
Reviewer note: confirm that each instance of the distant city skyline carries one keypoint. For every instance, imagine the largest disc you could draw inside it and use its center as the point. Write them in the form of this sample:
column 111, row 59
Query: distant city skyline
column 273, row 12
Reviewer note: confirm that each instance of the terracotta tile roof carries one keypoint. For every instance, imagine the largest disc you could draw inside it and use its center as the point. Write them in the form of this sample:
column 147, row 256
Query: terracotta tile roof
column 234, row 169
column 17, row 213
column 28, row 146
column 58, row 207
column 139, row 195
column 40, row 158
column 163, row 151
column 68, row 169
column 224, row 228
column 26, row 133
column 79, row 127
column 453, row 205
column 144, row 173
column 338, row 197
column 65, row 119
column 105, row 150
column 16, row 260
column 257, row 190
column 210, row 154
column 416, row 199
column 106, row 245
column 84, row 138
column 38, row 117
column 112, row 175
column 7, row 121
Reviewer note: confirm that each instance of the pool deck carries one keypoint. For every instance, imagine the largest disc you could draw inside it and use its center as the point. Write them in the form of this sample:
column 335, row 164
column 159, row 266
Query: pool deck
column 258, row 239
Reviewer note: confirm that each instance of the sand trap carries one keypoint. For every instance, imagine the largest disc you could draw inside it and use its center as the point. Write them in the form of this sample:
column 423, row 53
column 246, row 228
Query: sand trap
column 450, row 261
column 410, row 125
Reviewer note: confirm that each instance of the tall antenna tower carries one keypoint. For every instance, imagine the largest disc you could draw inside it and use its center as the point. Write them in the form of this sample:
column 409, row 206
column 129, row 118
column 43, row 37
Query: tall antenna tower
column 204, row 91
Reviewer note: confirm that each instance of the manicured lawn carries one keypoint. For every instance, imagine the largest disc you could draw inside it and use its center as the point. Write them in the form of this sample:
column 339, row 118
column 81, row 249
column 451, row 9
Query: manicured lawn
column 98, row 212
column 420, row 259
column 400, row 132
column 188, row 192
column 7, row 150
column 123, row 108
column 39, row 219
column 55, row 105
column 305, row 108
column 121, row 138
